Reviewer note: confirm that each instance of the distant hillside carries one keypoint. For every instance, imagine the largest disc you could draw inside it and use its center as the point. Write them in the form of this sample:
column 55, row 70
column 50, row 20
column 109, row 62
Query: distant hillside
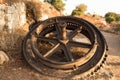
column 100, row 23
column 97, row 20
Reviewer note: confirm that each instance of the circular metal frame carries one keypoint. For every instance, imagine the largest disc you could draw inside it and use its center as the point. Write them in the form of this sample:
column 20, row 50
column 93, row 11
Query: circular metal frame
column 64, row 29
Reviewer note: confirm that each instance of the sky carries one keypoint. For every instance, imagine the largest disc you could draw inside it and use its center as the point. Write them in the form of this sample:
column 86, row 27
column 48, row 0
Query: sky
column 100, row 7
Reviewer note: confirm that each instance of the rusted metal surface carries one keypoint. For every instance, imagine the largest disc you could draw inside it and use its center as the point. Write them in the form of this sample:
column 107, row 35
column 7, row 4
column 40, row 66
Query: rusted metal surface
column 66, row 46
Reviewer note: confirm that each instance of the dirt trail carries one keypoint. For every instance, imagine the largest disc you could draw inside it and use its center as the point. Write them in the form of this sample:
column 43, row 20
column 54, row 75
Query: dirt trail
column 113, row 60
column 113, row 42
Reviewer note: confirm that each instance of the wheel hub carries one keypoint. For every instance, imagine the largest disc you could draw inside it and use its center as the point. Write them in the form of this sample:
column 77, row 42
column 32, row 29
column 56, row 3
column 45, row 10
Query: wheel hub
column 64, row 41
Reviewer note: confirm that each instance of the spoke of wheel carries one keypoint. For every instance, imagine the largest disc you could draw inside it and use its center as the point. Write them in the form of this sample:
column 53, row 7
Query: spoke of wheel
column 75, row 32
column 67, row 53
column 52, row 51
column 80, row 44
column 47, row 39
column 59, row 31
column 35, row 34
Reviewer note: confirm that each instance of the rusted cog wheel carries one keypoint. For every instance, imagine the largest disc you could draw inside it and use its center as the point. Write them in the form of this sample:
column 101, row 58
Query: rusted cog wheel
column 65, row 46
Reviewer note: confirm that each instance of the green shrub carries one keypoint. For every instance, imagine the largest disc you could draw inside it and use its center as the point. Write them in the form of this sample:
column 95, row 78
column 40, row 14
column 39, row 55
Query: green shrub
column 112, row 17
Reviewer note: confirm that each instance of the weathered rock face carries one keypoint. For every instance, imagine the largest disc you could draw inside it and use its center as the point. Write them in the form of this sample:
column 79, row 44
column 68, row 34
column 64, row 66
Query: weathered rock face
column 12, row 16
column 2, row 16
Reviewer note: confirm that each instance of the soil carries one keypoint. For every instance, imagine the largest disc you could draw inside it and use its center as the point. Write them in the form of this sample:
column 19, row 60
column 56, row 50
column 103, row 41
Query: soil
column 113, row 60
column 18, row 69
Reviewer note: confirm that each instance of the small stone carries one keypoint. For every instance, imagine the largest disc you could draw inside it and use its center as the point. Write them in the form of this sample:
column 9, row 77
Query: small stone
column 3, row 57
column 36, row 75
column 14, row 69
column 20, row 68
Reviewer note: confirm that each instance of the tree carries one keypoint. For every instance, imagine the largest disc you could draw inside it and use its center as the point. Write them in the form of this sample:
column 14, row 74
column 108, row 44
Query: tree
column 49, row 1
column 118, row 17
column 79, row 10
column 111, row 17
column 58, row 4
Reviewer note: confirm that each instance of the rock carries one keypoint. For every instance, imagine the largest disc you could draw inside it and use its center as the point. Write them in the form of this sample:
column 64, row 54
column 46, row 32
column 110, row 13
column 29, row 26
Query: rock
column 3, row 57
column 12, row 15
column 12, row 19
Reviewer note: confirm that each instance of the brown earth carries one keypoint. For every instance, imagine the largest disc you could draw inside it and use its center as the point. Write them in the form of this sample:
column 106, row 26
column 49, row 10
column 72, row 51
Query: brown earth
column 113, row 41
column 18, row 69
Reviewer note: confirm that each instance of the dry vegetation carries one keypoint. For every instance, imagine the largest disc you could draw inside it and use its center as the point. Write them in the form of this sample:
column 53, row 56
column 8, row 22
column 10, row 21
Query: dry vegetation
column 10, row 2
column 97, row 20
column 116, row 26
column 10, row 41
column 36, row 10
column 101, row 24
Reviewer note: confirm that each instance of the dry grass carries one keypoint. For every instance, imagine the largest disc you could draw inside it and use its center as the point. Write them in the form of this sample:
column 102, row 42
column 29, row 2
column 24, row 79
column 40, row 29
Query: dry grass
column 115, row 27
column 9, row 41
column 30, row 12
column 10, row 2
column 1, row 1
column 36, row 10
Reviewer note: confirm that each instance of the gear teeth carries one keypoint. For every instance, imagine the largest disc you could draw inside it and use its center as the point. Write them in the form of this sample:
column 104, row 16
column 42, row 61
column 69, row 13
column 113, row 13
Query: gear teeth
column 88, row 75
column 106, row 55
column 92, row 73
